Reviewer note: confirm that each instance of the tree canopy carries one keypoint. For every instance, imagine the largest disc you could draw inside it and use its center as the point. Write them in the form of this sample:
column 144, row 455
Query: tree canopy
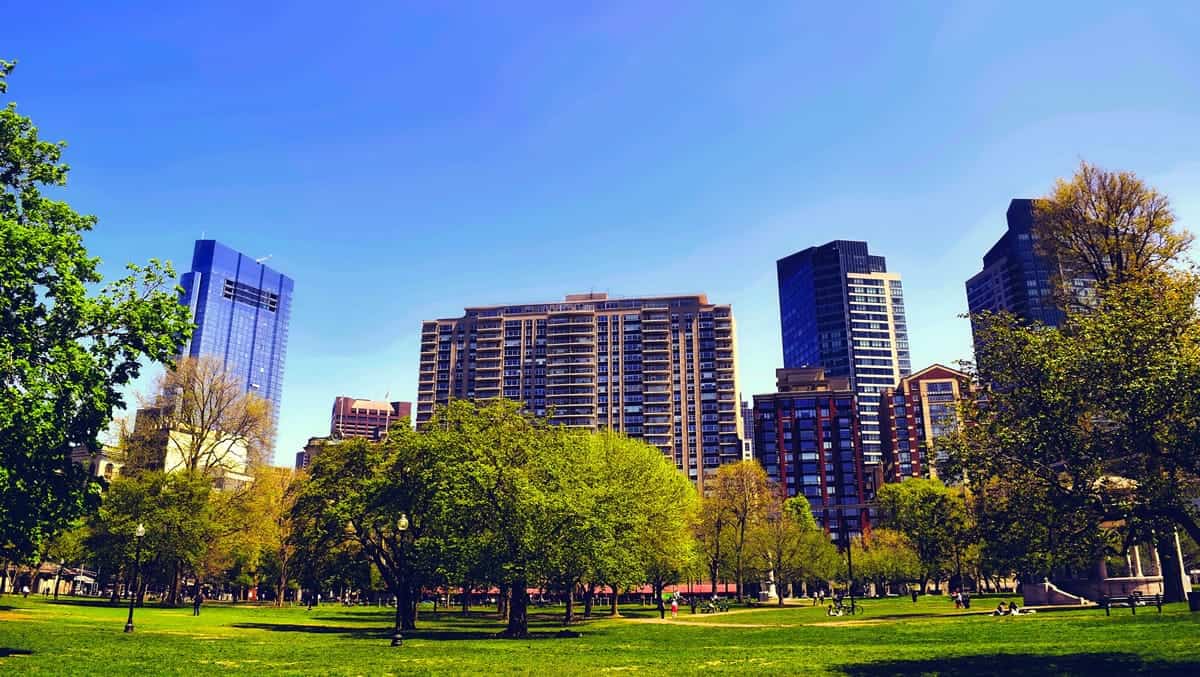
column 66, row 348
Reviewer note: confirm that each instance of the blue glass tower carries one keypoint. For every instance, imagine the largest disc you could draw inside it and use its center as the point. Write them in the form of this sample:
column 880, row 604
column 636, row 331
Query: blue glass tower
column 241, row 309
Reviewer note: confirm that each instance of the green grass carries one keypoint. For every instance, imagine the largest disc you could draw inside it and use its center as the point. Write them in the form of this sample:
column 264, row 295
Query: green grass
column 893, row 636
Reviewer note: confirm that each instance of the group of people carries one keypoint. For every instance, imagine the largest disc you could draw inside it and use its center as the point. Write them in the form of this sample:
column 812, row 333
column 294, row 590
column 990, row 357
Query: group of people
column 962, row 599
column 1011, row 610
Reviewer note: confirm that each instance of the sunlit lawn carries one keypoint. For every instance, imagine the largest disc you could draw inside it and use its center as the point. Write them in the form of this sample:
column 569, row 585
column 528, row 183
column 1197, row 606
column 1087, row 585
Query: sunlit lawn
column 77, row 637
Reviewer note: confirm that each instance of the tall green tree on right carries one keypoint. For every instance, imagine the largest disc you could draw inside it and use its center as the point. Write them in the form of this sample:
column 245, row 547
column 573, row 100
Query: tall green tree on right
column 1086, row 438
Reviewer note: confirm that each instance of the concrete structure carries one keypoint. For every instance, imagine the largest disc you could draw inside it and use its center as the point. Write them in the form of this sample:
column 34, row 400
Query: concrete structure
column 369, row 419
column 662, row 369
column 242, row 310
column 106, row 462
column 921, row 408
column 225, row 460
column 840, row 309
column 807, row 439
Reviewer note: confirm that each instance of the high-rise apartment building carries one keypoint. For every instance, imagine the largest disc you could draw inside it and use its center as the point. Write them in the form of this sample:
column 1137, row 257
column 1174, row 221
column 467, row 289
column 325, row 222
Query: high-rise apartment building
column 1015, row 278
column 841, row 309
column 806, row 436
column 662, row 369
column 921, row 408
column 370, row 419
column 241, row 309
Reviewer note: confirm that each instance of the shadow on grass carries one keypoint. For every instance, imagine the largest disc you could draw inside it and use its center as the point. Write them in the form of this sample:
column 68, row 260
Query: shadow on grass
column 386, row 633
column 5, row 652
column 1008, row 664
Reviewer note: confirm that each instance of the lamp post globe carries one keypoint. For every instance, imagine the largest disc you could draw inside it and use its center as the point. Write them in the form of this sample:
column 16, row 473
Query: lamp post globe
column 137, row 566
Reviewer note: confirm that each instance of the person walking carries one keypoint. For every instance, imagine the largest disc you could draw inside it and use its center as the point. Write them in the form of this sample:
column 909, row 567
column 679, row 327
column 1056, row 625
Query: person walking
column 674, row 607
column 25, row 591
column 197, row 600
column 914, row 595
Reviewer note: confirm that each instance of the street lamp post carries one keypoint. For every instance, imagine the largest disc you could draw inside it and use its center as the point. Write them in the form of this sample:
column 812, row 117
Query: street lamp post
column 137, row 566
column 397, row 637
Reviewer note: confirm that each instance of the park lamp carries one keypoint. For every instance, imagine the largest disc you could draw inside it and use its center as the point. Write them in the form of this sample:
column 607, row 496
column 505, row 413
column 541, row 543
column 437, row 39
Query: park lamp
column 137, row 562
column 397, row 636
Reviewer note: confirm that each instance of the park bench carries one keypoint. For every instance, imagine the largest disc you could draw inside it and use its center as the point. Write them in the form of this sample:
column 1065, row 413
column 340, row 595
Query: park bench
column 1134, row 601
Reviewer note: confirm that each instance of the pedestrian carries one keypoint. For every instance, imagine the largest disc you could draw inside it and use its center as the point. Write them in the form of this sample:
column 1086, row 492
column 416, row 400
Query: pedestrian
column 966, row 600
column 25, row 591
column 692, row 601
column 914, row 595
column 197, row 600
column 662, row 608
column 674, row 607
column 957, row 599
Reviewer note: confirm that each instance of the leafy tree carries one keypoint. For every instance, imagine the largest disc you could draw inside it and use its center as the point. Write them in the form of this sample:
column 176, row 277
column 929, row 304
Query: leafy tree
column 68, row 547
column 932, row 516
column 744, row 493
column 786, row 546
column 712, row 531
column 65, row 351
column 272, row 498
column 1108, row 226
column 886, row 556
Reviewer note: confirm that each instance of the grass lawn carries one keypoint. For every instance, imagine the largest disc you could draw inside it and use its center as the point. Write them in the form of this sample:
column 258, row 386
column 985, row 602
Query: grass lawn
column 79, row 637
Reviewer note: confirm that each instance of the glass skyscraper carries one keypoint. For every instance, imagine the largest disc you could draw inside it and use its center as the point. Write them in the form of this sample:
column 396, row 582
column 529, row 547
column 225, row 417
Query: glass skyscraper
column 840, row 309
column 241, row 308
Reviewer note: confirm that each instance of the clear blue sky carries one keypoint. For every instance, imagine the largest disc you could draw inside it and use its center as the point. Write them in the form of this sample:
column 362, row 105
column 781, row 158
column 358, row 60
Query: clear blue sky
column 402, row 162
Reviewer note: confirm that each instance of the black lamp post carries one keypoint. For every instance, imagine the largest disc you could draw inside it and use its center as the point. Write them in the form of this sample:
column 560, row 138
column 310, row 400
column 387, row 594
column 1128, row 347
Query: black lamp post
column 137, row 566
column 397, row 638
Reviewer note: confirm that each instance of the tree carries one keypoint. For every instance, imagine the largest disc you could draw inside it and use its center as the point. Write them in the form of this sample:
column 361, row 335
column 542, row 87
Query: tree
column 1107, row 226
column 712, row 537
column 204, row 419
column 65, row 351
column 886, row 556
column 67, row 547
column 932, row 516
column 786, row 546
column 743, row 492
column 272, row 498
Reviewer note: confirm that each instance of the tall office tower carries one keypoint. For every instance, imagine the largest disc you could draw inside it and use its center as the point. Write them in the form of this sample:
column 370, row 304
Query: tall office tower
column 840, row 309
column 659, row 368
column 353, row 417
column 921, row 408
column 241, row 309
column 1015, row 278
column 806, row 436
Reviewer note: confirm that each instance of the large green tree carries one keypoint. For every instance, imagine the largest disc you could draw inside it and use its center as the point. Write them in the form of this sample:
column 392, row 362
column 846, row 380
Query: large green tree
column 933, row 517
column 66, row 349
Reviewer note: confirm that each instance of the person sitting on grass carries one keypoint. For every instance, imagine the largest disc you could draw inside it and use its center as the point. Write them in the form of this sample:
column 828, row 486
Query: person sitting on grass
column 1000, row 610
column 1013, row 609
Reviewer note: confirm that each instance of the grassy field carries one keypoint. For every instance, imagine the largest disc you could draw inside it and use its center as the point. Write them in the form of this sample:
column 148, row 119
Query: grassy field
column 80, row 637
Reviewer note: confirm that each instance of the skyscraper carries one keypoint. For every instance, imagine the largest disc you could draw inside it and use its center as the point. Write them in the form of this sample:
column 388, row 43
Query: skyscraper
column 806, row 436
column 241, row 309
column 1015, row 278
column 840, row 309
column 662, row 369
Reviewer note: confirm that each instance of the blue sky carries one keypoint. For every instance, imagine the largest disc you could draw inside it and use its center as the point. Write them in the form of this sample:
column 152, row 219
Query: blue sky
column 403, row 160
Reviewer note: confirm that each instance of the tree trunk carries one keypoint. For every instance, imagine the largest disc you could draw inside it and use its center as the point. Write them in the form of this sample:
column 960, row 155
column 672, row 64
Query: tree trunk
column 589, row 597
column 57, row 578
column 518, row 616
column 569, row 614
column 502, row 602
column 466, row 598
column 1172, row 572
column 712, row 570
column 615, row 611
column 739, row 576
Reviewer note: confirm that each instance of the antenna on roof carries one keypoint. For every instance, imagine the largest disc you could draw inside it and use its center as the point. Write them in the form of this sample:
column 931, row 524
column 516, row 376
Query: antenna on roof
column 263, row 258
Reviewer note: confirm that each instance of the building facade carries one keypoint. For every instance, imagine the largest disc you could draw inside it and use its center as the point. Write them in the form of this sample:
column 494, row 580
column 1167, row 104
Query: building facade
column 1015, row 279
column 841, row 309
column 241, row 309
column 370, row 419
column 662, row 369
column 921, row 408
column 806, row 436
